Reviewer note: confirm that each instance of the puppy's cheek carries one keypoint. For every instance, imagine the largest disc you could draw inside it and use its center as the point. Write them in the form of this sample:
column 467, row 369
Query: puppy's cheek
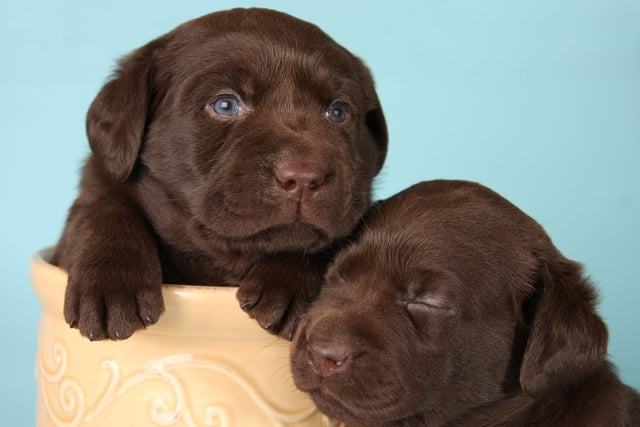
column 238, row 206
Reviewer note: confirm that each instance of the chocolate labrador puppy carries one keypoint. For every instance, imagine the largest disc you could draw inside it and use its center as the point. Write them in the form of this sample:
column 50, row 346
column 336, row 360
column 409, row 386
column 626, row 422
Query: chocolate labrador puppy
column 454, row 308
column 228, row 151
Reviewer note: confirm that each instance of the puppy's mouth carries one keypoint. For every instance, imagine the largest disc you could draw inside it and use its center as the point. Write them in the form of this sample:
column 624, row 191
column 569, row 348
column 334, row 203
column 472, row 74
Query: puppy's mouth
column 290, row 236
column 283, row 237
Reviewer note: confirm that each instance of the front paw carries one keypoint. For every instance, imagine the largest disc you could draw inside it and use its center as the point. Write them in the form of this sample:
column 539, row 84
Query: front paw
column 279, row 289
column 112, row 303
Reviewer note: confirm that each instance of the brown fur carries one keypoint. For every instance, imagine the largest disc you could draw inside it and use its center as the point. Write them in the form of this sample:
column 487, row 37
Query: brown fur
column 173, row 191
column 454, row 308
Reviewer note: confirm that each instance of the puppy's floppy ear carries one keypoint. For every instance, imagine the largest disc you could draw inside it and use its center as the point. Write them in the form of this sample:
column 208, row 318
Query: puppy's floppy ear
column 567, row 338
column 374, row 117
column 117, row 117
column 377, row 125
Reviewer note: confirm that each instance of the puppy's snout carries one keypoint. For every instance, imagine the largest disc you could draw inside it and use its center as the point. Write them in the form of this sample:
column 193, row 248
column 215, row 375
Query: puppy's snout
column 300, row 180
column 325, row 357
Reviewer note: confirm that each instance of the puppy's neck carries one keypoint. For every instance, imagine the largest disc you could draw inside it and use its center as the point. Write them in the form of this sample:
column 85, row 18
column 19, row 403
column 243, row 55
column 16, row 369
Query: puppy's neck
column 598, row 400
column 510, row 412
column 198, row 268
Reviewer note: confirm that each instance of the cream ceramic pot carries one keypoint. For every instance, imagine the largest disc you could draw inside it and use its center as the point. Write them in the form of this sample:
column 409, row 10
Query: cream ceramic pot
column 205, row 363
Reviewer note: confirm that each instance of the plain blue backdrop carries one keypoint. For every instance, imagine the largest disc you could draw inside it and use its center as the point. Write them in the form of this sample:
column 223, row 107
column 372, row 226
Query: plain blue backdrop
column 539, row 100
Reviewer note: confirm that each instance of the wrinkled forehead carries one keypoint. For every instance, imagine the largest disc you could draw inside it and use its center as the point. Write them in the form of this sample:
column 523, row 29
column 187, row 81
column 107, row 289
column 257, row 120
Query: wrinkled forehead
column 477, row 258
column 257, row 62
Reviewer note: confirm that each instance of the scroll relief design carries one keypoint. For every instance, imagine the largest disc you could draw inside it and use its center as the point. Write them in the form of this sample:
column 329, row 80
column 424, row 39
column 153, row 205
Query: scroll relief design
column 73, row 410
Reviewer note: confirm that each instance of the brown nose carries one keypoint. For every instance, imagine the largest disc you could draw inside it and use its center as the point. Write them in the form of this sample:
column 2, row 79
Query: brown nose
column 301, row 181
column 325, row 357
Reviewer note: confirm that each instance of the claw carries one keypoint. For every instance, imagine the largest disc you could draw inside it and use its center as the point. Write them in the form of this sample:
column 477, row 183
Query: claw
column 266, row 326
column 246, row 305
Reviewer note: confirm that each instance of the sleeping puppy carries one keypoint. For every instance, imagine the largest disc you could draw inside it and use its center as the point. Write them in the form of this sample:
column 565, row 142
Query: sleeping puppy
column 454, row 308
column 228, row 151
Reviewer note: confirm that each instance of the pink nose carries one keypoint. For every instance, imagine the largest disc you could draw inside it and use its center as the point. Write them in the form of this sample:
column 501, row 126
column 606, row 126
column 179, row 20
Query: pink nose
column 326, row 357
column 300, row 180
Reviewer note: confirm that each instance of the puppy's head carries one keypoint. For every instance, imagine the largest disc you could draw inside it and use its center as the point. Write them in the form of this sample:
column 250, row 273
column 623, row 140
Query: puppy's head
column 242, row 130
column 451, row 299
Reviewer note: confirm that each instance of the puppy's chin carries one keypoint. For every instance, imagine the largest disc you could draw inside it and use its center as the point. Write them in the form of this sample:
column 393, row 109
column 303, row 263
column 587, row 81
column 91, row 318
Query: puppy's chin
column 328, row 405
column 363, row 416
column 332, row 407
column 293, row 236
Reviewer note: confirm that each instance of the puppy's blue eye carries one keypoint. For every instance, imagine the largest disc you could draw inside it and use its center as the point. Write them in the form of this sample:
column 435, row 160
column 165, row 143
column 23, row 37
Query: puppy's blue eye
column 226, row 106
column 337, row 112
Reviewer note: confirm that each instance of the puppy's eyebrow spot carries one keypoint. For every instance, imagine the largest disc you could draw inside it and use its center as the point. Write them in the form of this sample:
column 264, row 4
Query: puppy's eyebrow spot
column 334, row 274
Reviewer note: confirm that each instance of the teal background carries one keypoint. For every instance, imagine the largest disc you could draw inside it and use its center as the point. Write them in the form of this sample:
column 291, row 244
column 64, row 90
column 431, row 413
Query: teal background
column 538, row 99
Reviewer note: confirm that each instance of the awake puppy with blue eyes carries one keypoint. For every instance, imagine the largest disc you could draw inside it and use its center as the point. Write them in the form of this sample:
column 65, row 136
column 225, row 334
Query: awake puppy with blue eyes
column 236, row 149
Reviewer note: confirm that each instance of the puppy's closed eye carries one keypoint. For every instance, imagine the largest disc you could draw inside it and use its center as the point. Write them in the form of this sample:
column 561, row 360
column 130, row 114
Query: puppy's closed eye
column 432, row 303
column 428, row 293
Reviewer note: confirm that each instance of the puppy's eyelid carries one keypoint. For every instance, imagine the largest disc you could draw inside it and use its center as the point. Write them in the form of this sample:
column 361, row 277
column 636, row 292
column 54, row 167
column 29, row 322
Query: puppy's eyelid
column 428, row 302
